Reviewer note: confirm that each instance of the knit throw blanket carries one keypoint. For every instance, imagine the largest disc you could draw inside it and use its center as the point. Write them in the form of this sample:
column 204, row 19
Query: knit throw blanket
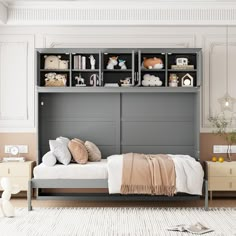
column 148, row 174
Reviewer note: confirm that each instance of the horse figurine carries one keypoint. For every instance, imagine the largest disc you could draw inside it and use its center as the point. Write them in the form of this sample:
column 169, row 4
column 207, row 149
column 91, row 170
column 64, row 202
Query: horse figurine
column 112, row 62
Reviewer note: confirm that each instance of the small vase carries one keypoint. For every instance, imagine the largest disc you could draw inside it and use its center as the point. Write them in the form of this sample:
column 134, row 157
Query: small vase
column 229, row 152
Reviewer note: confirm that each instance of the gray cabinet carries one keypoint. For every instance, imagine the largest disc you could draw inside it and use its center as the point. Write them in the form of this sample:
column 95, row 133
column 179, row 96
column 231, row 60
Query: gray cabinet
column 144, row 67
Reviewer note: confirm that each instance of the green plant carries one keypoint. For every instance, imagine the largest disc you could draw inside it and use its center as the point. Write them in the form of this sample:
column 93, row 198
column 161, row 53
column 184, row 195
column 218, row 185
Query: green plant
column 223, row 128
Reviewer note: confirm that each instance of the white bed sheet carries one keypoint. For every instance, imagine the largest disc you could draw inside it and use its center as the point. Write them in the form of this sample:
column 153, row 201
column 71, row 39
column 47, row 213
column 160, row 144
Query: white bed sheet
column 91, row 170
column 189, row 174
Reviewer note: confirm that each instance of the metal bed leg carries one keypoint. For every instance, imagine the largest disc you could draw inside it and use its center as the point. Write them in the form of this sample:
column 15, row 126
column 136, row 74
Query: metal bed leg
column 29, row 195
column 206, row 195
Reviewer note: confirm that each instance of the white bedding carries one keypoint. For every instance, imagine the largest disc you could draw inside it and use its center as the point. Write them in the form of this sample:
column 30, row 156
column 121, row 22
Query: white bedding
column 189, row 174
column 91, row 170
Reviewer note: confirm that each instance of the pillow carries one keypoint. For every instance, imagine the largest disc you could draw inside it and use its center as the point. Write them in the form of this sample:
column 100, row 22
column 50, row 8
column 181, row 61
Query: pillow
column 49, row 159
column 78, row 140
column 78, row 151
column 94, row 153
column 61, row 151
column 63, row 140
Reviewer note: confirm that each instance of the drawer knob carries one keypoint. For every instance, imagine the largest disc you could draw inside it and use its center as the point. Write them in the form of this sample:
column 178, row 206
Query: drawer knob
column 231, row 171
column 8, row 171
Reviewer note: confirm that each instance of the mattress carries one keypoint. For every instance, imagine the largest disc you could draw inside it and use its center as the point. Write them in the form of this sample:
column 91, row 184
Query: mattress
column 91, row 170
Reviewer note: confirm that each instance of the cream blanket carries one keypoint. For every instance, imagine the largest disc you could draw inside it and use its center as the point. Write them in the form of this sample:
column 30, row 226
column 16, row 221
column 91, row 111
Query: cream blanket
column 148, row 174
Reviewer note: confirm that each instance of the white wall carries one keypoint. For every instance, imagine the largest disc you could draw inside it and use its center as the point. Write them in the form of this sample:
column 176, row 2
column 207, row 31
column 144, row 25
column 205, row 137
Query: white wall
column 17, row 60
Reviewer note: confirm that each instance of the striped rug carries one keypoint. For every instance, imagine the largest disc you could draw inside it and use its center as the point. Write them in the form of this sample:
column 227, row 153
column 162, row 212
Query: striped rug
column 115, row 221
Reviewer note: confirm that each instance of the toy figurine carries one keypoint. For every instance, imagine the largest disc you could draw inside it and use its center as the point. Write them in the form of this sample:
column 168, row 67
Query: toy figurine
column 122, row 64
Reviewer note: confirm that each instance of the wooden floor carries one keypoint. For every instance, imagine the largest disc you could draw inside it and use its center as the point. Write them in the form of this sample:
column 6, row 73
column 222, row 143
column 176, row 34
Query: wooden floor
column 217, row 202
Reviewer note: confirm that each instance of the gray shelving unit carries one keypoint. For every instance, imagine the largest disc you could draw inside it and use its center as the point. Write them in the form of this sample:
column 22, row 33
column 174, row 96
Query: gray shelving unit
column 119, row 120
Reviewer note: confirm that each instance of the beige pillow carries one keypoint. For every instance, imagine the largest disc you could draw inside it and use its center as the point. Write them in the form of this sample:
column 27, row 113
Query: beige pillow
column 94, row 153
column 78, row 151
column 78, row 140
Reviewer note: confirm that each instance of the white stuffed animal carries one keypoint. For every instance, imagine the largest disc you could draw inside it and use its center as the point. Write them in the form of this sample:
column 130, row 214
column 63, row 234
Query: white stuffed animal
column 112, row 62
column 63, row 64
column 5, row 205
column 151, row 80
column 51, row 62
column 122, row 64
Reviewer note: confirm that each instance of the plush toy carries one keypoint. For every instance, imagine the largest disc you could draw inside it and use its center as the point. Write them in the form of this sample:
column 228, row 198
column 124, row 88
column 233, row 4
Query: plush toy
column 63, row 64
column 122, row 64
column 151, row 80
column 112, row 62
column 152, row 63
column 55, row 80
column 126, row 81
column 51, row 62
column 7, row 208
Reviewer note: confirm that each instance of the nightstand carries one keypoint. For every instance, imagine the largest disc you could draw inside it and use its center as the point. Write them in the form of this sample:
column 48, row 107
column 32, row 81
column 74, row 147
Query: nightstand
column 221, row 176
column 18, row 172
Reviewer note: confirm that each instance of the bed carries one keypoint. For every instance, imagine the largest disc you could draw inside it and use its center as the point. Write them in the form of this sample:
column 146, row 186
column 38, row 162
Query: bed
column 118, row 121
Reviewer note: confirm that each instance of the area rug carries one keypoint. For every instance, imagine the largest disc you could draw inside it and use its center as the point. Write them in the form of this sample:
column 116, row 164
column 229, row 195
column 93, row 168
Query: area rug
column 115, row 221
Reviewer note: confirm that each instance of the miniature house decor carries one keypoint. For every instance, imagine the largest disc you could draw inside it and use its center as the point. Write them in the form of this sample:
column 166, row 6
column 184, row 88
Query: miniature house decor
column 187, row 80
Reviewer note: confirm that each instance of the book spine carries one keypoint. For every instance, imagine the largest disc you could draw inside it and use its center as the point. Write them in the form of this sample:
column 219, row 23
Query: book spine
column 83, row 63
column 79, row 62
column 76, row 62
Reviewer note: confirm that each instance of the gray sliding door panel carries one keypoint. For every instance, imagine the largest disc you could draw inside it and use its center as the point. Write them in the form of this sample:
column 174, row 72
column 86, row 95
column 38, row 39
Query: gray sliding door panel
column 157, row 133
column 93, row 117
column 158, row 123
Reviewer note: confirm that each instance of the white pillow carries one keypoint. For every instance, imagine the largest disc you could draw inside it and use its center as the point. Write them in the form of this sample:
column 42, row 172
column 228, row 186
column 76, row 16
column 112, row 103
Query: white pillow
column 61, row 151
column 63, row 140
column 49, row 159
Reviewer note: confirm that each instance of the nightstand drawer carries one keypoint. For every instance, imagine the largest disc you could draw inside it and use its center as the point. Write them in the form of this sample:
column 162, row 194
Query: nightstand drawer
column 21, row 181
column 14, row 169
column 222, row 183
column 222, row 170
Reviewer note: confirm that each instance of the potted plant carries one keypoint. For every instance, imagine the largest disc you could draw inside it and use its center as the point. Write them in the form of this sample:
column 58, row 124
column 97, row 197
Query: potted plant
column 223, row 128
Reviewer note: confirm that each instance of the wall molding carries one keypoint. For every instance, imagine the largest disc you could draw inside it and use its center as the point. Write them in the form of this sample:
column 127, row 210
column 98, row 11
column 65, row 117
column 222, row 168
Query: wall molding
column 122, row 13
column 3, row 13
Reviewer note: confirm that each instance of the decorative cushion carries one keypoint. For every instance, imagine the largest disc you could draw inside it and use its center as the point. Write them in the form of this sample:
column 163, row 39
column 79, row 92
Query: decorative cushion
column 63, row 140
column 94, row 153
column 49, row 159
column 78, row 151
column 78, row 140
column 61, row 151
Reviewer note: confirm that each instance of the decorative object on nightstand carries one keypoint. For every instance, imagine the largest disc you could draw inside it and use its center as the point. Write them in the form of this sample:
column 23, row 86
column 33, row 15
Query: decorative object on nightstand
column 5, row 205
column 221, row 176
column 227, row 102
column 222, row 127
column 13, row 155
column 187, row 80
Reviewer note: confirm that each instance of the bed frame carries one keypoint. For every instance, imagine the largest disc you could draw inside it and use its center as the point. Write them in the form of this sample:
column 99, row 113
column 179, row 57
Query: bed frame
column 118, row 120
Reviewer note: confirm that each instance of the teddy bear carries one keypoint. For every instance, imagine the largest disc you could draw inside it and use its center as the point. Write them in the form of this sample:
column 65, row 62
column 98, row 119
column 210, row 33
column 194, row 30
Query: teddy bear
column 55, row 80
column 152, row 63
column 63, row 64
column 151, row 80
column 7, row 208
column 51, row 62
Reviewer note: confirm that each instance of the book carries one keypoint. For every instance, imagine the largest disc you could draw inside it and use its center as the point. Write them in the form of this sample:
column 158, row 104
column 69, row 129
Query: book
column 197, row 228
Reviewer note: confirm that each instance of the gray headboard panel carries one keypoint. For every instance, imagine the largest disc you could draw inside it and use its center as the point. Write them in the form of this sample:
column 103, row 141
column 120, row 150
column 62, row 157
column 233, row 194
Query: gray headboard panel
column 122, row 122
